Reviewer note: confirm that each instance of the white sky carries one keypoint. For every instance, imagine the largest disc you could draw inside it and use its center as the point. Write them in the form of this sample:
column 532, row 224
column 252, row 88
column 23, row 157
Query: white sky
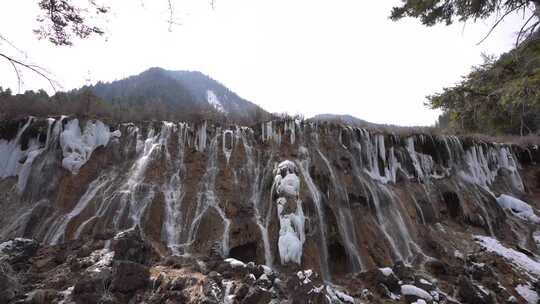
column 295, row 56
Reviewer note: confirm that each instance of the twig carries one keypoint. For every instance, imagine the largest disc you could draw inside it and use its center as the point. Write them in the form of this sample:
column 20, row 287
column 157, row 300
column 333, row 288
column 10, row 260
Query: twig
column 497, row 23
column 521, row 31
column 33, row 68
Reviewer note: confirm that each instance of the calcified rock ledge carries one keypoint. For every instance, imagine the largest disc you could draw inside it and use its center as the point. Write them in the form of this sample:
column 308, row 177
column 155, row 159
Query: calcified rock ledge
column 290, row 211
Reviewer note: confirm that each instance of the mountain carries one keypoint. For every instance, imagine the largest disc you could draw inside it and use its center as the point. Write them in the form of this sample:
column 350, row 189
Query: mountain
column 187, row 92
column 346, row 119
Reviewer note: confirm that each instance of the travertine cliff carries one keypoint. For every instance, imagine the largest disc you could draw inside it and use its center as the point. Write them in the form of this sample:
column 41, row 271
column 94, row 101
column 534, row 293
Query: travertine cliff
column 341, row 202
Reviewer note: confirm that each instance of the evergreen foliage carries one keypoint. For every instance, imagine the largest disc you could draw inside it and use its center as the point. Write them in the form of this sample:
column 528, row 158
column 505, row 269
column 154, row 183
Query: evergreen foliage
column 499, row 96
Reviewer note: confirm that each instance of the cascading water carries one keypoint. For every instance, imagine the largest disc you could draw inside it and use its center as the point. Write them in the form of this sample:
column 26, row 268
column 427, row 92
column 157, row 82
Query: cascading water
column 316, row 196
column 344, row 221
column 207, row 198
column 256, row 199
column 173, row 193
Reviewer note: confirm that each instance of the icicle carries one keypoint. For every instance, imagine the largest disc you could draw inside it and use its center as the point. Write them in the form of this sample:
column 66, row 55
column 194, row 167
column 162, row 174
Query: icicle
column 11, row 152
column 201, row 138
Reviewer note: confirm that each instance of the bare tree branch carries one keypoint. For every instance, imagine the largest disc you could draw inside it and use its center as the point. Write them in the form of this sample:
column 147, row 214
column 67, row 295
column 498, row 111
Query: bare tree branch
column 499, row 21
column 36, row 69
column 521, row 31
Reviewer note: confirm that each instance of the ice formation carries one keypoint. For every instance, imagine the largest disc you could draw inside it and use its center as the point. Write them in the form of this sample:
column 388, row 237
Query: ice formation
column 482, row 167
column 290, row 213
column 77, row 146
column 518, row 207
column 16, row 161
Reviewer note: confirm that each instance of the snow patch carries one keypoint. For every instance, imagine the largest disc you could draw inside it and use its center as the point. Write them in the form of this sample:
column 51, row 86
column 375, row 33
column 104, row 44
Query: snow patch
column 100, row 259
column 336, row 296
column 517, row 258
column 66, row 295
column 518, row 208
column 412, row 290
column 235, row 263
column 386, row 271
column 536, row 237
column 213, row 100
column 527, row 293
column 305, row 276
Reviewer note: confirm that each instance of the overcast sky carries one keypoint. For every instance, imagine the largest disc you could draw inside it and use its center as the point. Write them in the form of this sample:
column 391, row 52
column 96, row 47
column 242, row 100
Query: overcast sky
column 295, row 56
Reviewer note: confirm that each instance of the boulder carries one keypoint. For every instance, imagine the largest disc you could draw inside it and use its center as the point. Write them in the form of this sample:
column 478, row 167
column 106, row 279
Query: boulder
column 130, row 246
column 403, row 272
column 40, row 296
column 257, row 295
column 388, row 278
column 92, row 287
column 18, row 251
column 128, row 276
column 9, row 285
column 471, row 293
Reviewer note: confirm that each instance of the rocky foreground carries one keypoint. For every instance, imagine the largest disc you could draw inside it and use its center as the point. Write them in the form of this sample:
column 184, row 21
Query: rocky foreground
column 125, row 269
column 284, row 212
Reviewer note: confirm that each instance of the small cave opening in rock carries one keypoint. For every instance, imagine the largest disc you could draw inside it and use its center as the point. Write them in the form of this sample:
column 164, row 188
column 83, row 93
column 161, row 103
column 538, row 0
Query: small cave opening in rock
column 337, row 258
column 452, row 204
column 245, row 253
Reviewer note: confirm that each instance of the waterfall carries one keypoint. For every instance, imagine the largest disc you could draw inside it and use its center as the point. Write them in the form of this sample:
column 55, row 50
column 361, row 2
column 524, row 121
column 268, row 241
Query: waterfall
column 316, row 196
column 173, row 193
column 206, row 199
column 344, row 222
column 255, row 199
column 169, row 179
